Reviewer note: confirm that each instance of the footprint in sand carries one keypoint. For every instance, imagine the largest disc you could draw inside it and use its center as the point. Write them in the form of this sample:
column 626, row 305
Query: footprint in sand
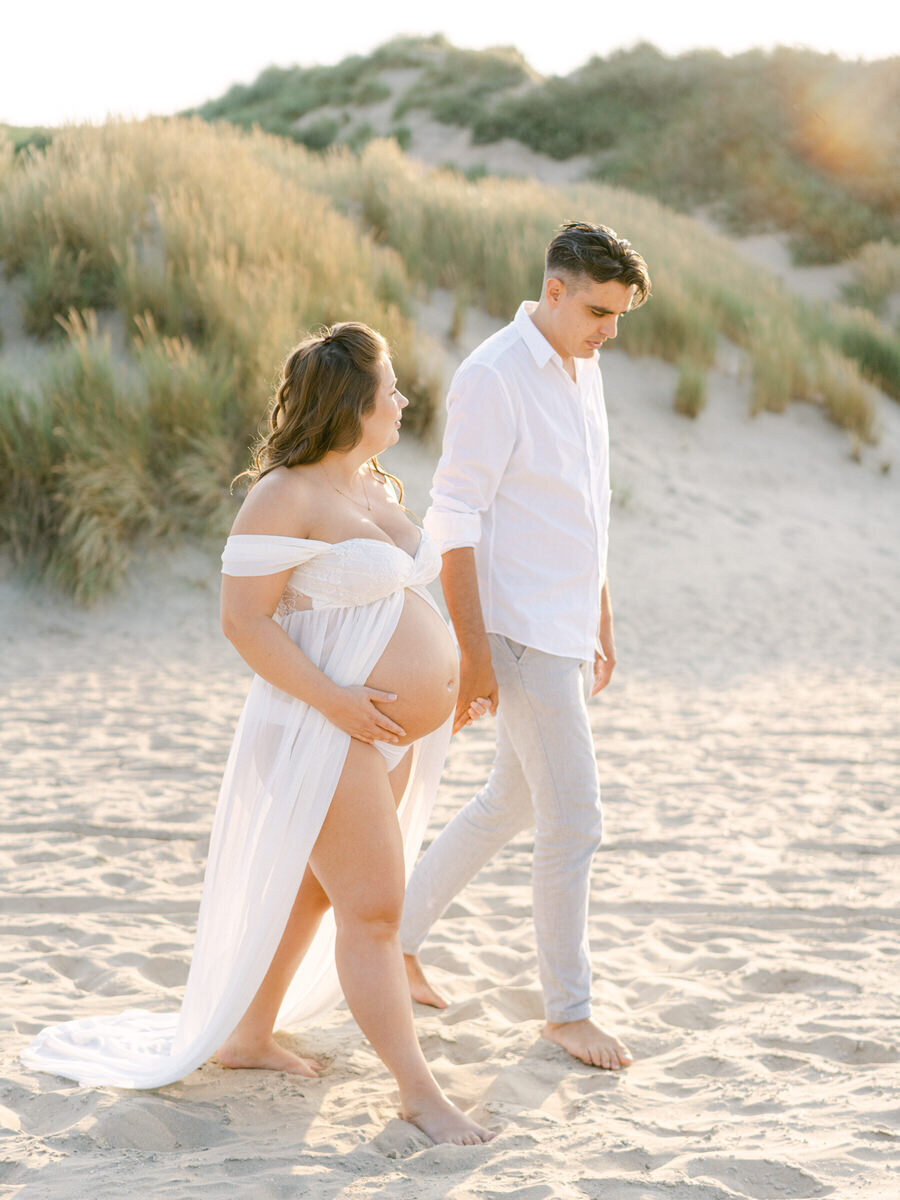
column 759, row 1179
column 837, row 1047
column 692, row 1015
column 637, row 1189
column 167, row 972
column 152, row 1123
column 793, row 980
column 56, row 1113
column 707, row 1066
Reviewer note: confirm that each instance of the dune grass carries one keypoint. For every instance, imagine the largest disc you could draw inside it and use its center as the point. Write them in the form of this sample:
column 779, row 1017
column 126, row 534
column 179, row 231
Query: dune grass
column 787, row 138
column 218, row 249
column 217, row 264
column 487, row 236
column 690, row 392
column 875, row 275
column 75, row 490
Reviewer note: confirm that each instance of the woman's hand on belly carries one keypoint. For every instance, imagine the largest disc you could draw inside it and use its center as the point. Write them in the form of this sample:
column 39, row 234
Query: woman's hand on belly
column 421, row 667
column 353, row 710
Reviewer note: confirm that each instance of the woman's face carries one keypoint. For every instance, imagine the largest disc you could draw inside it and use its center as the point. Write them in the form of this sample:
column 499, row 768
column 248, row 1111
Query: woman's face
column 381, row 425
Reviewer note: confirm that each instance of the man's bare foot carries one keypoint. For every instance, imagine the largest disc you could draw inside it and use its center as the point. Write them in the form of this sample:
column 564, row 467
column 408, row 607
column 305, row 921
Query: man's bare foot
column 444, row 1122
column 265, row 1056
column 419, row 987
column 590, row 1043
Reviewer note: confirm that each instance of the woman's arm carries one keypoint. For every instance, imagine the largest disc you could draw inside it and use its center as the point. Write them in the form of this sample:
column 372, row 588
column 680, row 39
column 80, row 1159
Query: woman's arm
column 247, row 607
column 248, row 603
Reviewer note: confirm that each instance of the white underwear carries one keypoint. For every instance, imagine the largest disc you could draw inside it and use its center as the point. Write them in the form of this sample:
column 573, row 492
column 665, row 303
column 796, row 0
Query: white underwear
column 392, row 754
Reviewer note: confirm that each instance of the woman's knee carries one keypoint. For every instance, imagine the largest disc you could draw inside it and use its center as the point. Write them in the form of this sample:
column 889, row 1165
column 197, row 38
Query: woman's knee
column 375, row 916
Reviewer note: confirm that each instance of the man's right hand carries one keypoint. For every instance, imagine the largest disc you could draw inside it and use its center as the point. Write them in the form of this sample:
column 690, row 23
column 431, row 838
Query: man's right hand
column 477, row 681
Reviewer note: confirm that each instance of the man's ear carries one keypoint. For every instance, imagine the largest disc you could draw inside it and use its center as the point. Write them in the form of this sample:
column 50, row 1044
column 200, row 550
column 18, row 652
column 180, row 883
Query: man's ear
column 554, row 290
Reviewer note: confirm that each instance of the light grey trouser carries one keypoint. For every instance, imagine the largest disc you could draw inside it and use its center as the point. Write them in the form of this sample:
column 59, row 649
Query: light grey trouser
column 544, row 774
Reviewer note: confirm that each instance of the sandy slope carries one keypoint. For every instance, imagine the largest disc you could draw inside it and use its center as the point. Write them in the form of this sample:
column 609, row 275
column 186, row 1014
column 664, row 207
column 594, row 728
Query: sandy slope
column 745, row 907
column 438, row 143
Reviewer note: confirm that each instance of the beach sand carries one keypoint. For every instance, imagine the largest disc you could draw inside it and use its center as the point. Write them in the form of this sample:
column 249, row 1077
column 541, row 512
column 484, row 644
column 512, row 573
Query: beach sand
column 744, row 914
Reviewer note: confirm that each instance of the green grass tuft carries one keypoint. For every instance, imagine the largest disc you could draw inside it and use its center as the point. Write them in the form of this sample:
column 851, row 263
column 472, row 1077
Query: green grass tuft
column 876, row 275
column 690, row 394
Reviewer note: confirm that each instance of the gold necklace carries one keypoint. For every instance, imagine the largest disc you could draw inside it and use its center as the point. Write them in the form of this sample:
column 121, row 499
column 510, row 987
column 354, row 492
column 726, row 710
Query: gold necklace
column 367, row 505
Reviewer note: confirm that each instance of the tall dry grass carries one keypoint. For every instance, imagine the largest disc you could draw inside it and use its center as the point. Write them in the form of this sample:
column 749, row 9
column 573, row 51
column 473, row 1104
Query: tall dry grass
column 786, row 138
column 218, row 264
column 487, row 236
column 219, row 248
column 875, row 275
column 75, row 491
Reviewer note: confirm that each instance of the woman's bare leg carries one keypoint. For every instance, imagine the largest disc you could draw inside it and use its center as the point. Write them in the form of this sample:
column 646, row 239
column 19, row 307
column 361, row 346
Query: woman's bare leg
column 399, row 777
column 358, row 858
column 419, row 987
column 251, row 1044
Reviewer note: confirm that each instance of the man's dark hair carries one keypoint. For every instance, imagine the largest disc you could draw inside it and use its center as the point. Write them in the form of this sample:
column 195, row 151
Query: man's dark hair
column 580, row 249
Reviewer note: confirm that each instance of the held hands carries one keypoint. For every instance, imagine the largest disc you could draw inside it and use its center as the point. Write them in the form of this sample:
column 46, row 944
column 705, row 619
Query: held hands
column 477, row 709
column 353, row 710
column 478, row 692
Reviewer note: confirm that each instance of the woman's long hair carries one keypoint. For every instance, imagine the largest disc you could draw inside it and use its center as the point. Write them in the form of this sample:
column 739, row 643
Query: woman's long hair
column 328, row 384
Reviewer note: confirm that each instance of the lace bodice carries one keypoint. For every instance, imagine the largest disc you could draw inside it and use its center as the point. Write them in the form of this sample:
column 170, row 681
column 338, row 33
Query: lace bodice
column 333, row 574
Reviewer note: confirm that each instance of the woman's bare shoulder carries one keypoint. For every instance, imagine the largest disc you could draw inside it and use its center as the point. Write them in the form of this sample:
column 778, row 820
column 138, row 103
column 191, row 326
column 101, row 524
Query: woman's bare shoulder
column 284, row 503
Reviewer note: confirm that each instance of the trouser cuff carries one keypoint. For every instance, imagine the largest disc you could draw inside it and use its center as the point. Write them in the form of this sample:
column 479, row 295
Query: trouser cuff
column 574, row 1012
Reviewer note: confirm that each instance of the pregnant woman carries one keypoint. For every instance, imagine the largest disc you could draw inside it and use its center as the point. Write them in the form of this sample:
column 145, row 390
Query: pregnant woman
column 335, row 760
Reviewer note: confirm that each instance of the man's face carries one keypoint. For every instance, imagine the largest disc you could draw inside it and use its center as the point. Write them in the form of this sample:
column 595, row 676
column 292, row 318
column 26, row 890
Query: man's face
column 585, row 314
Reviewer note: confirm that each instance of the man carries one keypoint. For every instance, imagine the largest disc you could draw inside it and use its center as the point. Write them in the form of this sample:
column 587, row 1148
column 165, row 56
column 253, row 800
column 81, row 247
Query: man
column 520, row 512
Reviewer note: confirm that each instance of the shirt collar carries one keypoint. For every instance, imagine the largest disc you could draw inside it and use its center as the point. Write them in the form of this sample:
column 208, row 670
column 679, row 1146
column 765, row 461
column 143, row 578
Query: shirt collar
column 541, row 350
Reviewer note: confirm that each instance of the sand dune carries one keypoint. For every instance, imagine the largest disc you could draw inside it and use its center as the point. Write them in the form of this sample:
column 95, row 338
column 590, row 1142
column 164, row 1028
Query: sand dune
column 745, row 907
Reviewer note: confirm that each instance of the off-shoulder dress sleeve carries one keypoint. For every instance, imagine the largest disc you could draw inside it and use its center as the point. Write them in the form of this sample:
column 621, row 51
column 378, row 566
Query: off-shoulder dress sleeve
column 267, row 554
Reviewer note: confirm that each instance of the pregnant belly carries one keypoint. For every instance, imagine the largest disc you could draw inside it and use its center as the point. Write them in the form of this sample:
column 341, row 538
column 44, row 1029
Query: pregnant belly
column 420, row 666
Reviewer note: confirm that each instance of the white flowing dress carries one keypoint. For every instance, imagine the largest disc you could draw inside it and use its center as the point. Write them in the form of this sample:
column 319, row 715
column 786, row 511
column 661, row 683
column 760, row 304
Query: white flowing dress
column 284, row 765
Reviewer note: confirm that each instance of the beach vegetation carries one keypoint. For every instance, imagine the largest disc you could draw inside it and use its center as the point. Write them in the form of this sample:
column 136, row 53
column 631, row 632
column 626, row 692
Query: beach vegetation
column 690, row 391
column 875, row 275
column 216, row 249
column 488, row 236
column 216, row 263
column 787, row 138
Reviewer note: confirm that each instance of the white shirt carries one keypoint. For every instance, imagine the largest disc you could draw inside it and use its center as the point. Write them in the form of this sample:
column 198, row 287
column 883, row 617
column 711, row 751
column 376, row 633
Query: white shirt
column 524, row 479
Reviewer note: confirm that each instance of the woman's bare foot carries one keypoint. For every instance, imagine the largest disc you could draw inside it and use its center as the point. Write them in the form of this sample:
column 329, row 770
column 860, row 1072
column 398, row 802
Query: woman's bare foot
column 590, row 1043
column 444, row 1122
column 265, row 1056
column 419, row 987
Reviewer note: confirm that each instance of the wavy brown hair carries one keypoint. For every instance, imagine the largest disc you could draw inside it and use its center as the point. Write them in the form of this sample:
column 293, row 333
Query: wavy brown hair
column 328, row 384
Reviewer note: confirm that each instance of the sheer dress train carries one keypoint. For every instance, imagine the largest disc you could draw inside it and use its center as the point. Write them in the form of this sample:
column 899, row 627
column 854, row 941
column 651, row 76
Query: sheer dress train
column 282, row 770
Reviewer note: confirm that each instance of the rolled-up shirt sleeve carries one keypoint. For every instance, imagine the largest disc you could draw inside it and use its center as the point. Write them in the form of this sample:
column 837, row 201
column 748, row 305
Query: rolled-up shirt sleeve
column 478, row 441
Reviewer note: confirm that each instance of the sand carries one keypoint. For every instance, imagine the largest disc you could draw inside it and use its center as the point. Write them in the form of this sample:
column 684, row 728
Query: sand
column 822, row 283
column 744, row 911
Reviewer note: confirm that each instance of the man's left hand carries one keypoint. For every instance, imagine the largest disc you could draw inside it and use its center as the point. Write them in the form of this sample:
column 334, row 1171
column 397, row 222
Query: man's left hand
column 604, row 665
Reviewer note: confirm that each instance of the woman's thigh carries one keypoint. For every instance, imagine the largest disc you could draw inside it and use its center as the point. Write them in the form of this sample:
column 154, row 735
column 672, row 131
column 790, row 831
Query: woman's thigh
column 358, row 855
column 399, row 777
